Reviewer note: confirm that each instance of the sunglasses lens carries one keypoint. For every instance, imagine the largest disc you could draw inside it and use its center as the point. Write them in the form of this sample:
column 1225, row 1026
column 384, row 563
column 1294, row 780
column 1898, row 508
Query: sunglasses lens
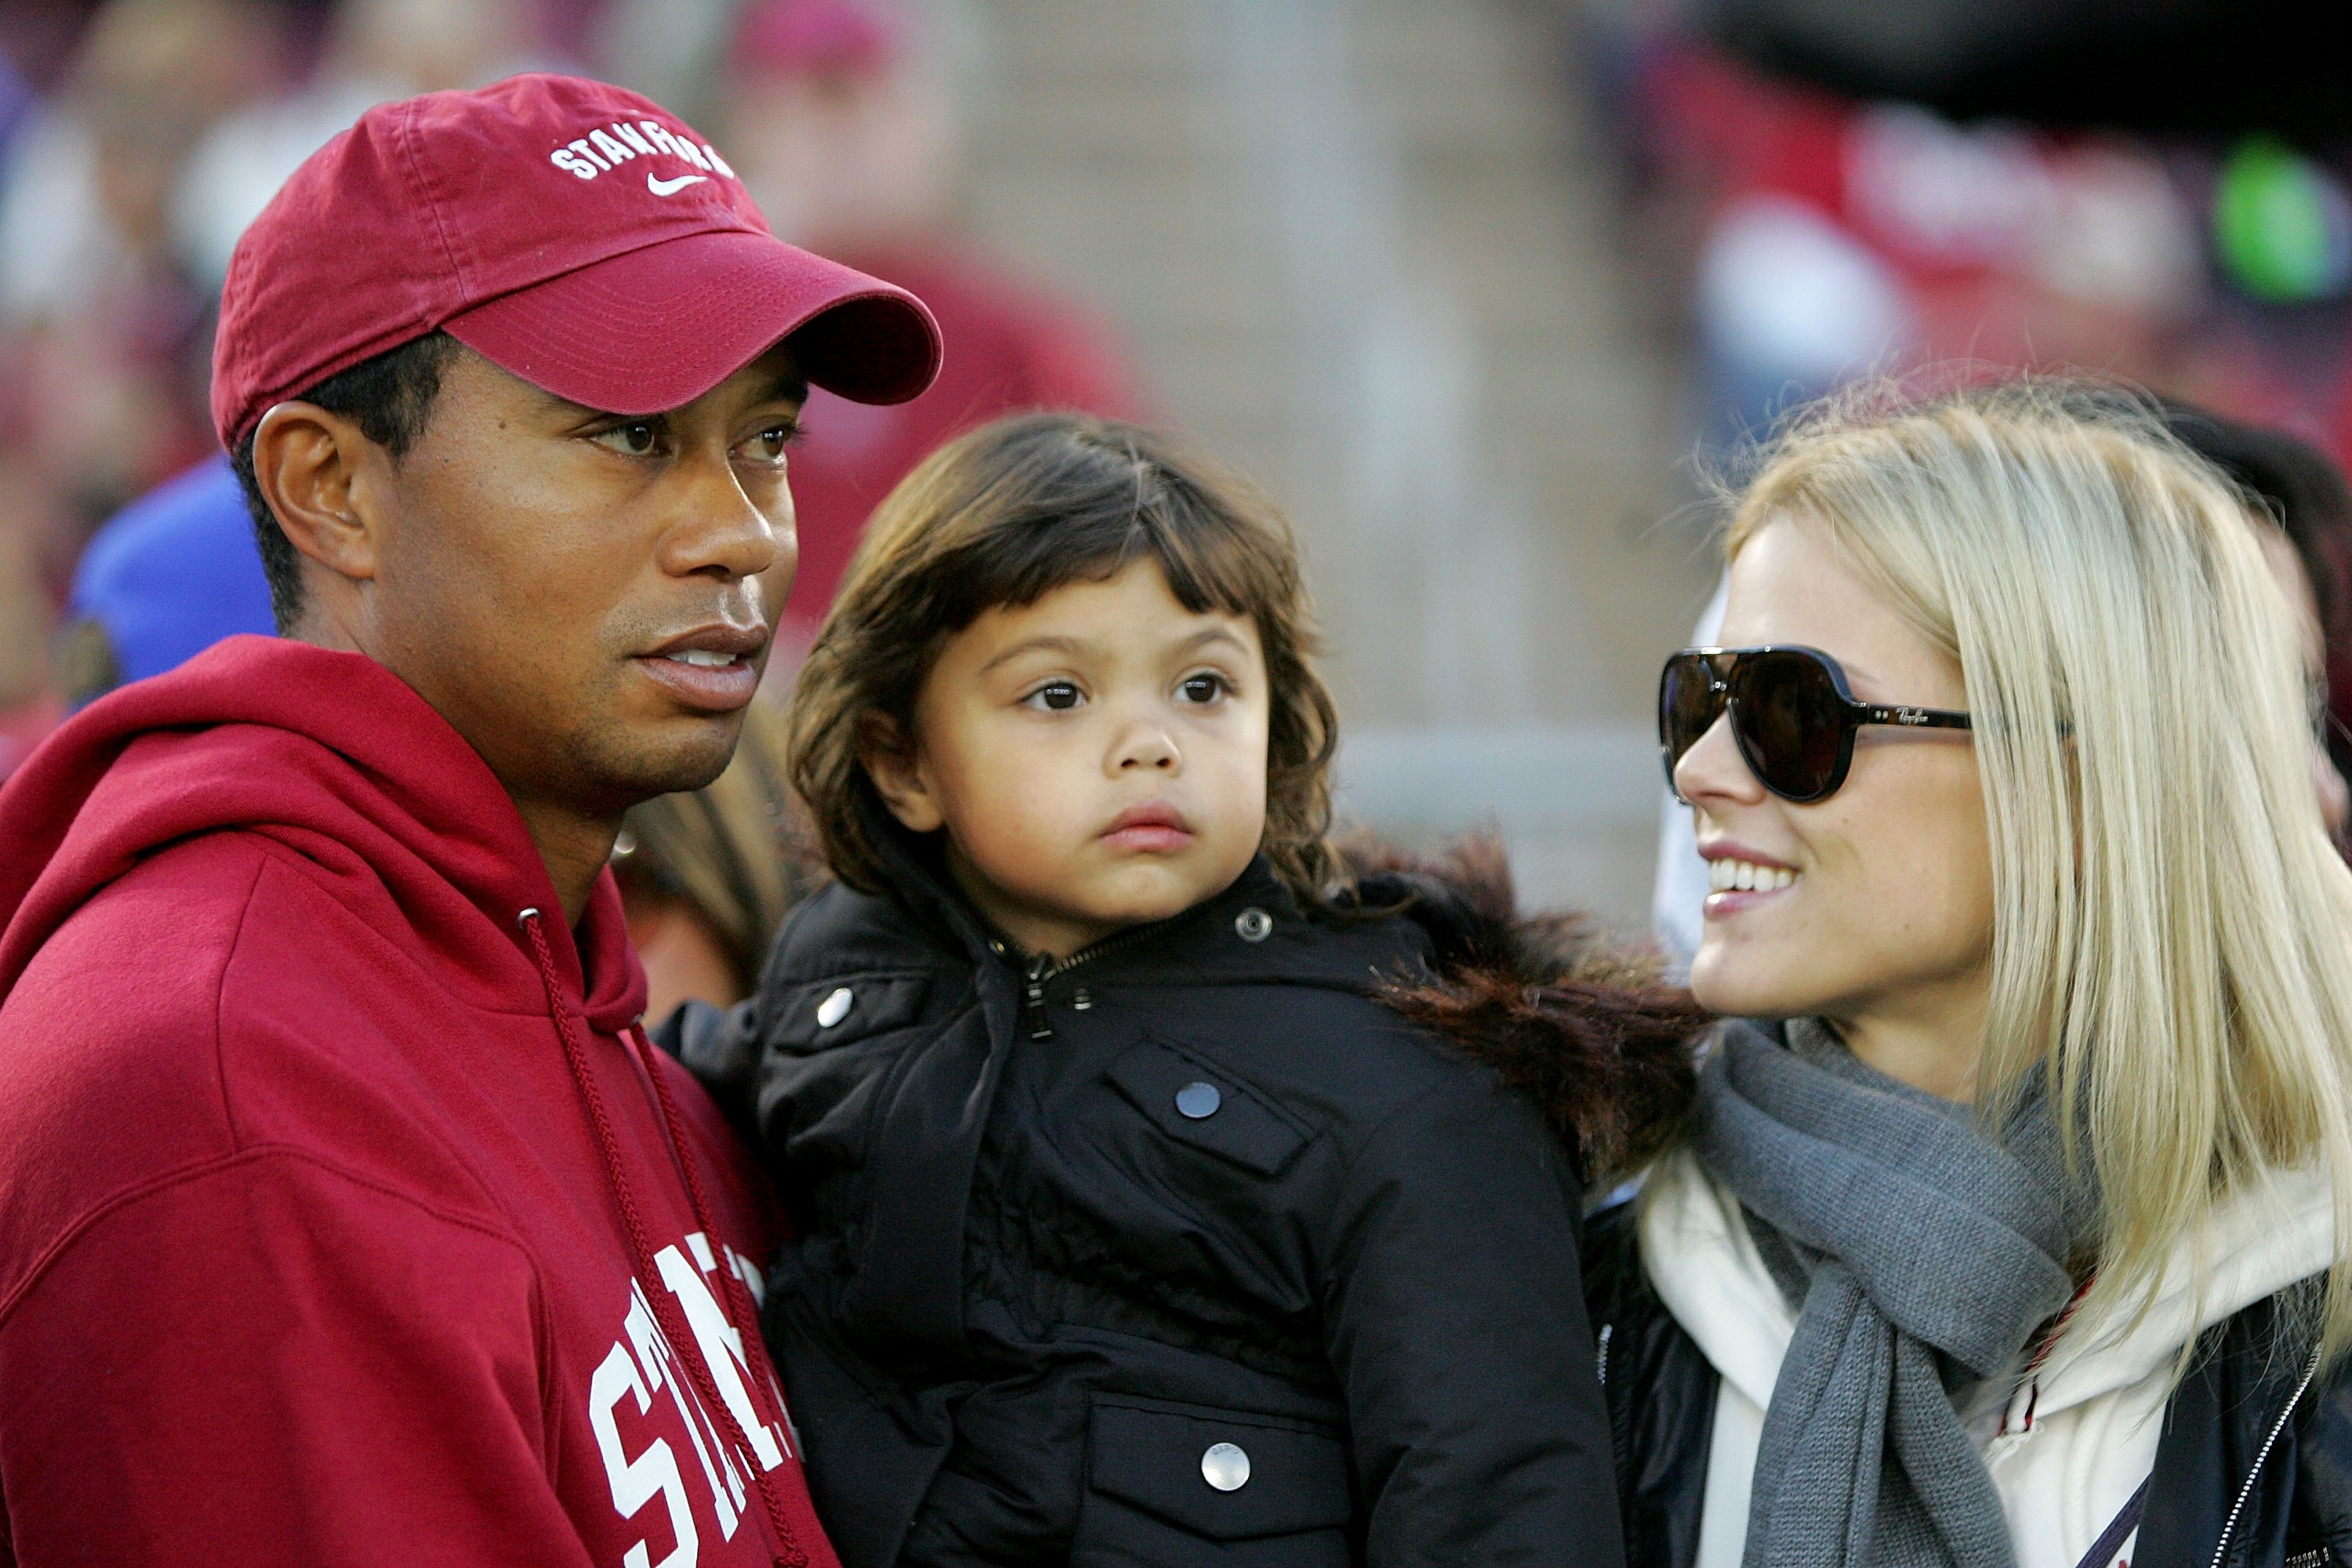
column 1791, row 722
column 1687, row 703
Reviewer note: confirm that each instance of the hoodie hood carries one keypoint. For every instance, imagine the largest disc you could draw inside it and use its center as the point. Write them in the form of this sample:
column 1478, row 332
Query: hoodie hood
column 337, row 760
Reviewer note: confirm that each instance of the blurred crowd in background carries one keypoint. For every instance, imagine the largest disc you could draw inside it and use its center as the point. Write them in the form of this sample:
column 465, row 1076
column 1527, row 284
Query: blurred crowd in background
column 2157, row 193
column 139, row 137
column 1808, row 191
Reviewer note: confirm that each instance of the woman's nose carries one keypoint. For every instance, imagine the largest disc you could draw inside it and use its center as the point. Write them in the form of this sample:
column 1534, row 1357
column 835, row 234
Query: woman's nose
column 1713, row 767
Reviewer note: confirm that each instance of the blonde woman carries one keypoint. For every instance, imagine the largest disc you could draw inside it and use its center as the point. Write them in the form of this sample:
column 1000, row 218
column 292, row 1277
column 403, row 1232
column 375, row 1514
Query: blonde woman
column 2004, row 1231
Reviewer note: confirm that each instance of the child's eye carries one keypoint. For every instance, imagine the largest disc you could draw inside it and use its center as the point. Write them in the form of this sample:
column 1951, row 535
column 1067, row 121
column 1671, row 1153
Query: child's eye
column 1203, row 687
column 1054, row 697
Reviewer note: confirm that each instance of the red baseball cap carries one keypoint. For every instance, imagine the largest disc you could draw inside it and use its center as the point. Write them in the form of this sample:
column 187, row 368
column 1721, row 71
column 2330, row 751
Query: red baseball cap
column 568, row 231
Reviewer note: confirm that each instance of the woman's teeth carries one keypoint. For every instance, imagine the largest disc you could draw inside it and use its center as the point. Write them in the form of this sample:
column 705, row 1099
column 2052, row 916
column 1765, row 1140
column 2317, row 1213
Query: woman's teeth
column 1745, row 877
column 701, row 659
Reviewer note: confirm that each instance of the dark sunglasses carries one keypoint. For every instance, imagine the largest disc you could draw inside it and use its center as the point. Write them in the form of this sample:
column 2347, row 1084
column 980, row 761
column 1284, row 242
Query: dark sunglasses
column 1791, row 712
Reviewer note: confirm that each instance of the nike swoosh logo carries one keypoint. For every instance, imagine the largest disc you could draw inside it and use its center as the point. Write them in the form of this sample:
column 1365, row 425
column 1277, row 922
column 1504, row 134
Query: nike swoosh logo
column 671, row 187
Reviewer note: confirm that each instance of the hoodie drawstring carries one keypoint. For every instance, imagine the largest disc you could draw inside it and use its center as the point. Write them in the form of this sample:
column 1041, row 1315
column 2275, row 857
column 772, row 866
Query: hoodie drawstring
column 665, row 1310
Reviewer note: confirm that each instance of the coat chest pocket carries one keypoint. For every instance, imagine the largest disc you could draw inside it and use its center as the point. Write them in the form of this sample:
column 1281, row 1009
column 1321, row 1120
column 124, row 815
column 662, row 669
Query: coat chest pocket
column 818, row 1014
column 1196, row 1103
column 1171, row 1486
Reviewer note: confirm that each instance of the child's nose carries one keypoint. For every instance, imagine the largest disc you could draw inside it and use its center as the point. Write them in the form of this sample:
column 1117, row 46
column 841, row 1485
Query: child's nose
column 1147, row 746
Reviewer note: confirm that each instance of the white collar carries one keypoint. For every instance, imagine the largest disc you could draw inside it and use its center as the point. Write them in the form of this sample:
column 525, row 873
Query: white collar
column 2261, row 1240
column 1705, row 1268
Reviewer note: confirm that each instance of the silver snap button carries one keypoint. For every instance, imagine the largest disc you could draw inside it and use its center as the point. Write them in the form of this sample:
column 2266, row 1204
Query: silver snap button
column 1082, row 1000
column 1199, row 1101
column 834, row 1008
column 1225, row 1467
column 1253, row 925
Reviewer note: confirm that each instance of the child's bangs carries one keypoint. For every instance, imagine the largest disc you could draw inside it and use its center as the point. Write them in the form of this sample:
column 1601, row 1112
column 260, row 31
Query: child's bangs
column 1212, row 563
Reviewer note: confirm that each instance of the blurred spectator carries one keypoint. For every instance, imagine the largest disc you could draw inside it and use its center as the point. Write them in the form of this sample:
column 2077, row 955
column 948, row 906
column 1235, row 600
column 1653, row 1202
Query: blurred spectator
column 706, row 876
column 2306, row 513
column 104, row 337
column 102, row 369
column 839, row 115
column 165, row 579
column 2200, row 248
column 26, row 708
column 15, row 99
column 375, row 50
column 2151, row 65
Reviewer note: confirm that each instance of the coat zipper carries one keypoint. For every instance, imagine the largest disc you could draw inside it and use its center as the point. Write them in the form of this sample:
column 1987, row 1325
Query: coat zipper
column 1043, row 968
column 2237, row 1508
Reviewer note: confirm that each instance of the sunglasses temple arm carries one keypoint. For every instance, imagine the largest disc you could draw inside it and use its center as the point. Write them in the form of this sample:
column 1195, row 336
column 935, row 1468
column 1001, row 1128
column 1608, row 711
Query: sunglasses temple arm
column 1914, row 718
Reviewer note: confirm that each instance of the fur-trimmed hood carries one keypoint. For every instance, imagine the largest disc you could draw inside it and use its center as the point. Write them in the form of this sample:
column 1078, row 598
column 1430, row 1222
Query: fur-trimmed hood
column 1584, row 1027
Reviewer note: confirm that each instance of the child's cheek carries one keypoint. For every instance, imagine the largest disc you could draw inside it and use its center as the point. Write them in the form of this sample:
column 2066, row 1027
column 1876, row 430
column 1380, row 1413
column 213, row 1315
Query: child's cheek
column 1032, row 814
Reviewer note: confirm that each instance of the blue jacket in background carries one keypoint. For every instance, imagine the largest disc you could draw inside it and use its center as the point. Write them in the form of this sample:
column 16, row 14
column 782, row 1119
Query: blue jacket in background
column 165, row 578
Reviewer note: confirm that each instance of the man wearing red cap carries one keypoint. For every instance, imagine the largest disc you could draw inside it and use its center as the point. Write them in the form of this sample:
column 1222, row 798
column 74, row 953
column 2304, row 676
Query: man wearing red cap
column 346, row 1215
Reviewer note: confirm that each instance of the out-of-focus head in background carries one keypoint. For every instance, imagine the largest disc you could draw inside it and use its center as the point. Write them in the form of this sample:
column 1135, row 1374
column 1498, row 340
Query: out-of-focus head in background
column 841, row 116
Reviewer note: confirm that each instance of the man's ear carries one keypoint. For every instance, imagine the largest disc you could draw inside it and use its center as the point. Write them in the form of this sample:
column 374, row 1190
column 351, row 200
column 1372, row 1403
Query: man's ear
column 894, row 764
column 320, row 475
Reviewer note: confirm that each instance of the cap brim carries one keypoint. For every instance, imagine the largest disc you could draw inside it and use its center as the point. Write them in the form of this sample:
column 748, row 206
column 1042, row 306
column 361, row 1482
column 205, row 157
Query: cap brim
column 656, row 328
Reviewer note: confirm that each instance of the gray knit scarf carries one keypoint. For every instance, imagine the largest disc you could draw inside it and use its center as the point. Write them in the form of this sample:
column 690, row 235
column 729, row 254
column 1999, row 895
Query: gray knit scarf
column 1921, row 1257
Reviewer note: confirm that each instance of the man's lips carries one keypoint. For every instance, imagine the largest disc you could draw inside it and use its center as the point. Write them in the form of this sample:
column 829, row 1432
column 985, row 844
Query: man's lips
column 1154, row 828
column 714, row 668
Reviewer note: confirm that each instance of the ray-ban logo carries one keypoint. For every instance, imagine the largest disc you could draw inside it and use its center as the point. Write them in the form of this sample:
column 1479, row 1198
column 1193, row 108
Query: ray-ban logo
column 671, row 187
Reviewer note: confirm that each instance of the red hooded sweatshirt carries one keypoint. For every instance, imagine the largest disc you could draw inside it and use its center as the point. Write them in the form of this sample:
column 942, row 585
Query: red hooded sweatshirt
column 346, row 1216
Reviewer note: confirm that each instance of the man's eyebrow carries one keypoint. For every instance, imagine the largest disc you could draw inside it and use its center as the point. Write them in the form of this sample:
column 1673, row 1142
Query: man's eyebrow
column 785, row 386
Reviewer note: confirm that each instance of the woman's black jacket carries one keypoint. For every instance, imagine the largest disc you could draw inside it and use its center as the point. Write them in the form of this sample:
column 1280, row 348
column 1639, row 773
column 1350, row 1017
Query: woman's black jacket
column 1190, row 1251
column 2254, row 1469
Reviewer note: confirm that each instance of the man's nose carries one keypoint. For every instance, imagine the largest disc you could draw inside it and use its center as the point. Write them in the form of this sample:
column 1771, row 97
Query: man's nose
column 719, row 530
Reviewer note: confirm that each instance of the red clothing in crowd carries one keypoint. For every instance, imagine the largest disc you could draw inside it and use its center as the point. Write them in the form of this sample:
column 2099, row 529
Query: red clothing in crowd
column 1007, row 349
column 322, row 1240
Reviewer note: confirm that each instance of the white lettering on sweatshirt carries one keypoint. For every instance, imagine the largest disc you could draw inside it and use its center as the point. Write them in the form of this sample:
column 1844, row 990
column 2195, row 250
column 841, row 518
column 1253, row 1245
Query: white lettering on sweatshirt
column 642, row 1364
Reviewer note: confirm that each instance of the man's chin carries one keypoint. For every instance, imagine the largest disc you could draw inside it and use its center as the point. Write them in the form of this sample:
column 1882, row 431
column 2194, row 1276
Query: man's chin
column 686, row 753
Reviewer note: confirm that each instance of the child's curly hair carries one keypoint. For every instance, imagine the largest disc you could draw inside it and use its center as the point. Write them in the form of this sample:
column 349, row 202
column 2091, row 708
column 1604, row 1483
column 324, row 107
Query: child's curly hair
column 1002, row 515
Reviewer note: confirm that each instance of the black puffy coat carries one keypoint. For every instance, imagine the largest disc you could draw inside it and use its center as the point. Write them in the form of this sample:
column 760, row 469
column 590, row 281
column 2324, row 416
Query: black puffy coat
column 2253, row 1470
column 1188, row 1251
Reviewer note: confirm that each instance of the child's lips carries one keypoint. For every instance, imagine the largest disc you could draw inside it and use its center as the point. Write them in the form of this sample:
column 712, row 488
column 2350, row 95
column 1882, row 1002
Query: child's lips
column 1151, row 829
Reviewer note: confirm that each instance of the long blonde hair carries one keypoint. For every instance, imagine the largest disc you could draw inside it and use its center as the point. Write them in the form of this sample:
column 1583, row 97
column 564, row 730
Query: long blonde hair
column 2172, row 928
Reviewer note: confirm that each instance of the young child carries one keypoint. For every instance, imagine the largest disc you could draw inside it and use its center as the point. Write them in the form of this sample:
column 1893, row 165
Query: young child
column 1134, row 1228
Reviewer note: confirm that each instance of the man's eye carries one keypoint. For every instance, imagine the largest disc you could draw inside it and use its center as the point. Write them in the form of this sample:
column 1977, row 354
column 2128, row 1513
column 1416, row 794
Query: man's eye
column 1056, row 697
column 1203, row 687
column 638, row 438
column 769, row 445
